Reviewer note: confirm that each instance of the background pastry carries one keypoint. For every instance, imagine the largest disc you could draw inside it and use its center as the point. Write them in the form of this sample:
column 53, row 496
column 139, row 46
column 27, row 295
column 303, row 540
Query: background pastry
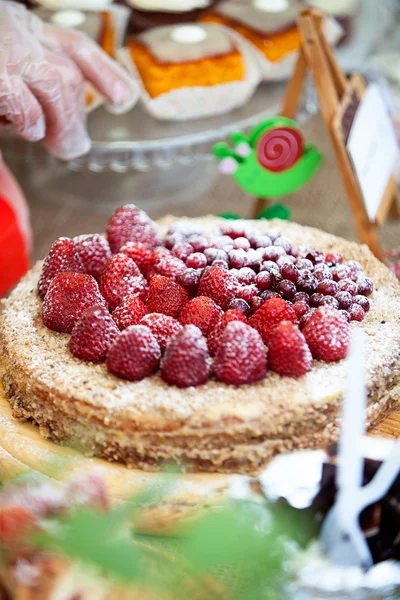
column 168, row 58
column 147, row 14
column 270, row 25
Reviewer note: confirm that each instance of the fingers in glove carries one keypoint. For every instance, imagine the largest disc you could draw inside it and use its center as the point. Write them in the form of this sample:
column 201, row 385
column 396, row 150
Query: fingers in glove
column 20, row 109
column 59, row 87
column 106, row 75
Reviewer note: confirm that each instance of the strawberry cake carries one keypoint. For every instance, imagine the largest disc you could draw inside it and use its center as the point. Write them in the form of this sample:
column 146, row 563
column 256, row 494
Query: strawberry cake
column 208, row 343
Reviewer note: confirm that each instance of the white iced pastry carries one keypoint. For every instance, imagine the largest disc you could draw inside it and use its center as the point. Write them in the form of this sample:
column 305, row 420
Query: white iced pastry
column 336, row 8
column 176, row 6
column 75, row 4
column 263, row 16
column 186, row 43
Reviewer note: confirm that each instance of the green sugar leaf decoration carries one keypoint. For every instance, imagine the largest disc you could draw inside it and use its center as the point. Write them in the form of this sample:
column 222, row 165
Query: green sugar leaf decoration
column 276, row 211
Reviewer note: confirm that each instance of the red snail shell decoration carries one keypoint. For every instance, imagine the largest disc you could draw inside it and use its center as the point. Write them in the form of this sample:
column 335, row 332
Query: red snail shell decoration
column 279, row 149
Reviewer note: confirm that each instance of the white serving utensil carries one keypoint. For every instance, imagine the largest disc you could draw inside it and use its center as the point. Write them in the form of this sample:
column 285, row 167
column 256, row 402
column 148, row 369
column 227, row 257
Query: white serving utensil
column 341, row 536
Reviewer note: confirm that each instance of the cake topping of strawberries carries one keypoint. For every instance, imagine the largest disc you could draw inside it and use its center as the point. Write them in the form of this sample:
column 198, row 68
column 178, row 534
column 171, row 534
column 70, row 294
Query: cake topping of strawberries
column 167, row 265
column 271, row 313
column 214, row 338
column 241, row 357
column 121, row 278
column 130, row 312
column 219, row 285
column 288, row 353
column 93, row 334
column 186, row 361
column 327, row 333
column 135, row 354
column 140, row 254
column 62, row 257
column 162, row 327
column 94, row 252
column 202, row 312
column 67, row 298
column 131, row 224
column 166, row 296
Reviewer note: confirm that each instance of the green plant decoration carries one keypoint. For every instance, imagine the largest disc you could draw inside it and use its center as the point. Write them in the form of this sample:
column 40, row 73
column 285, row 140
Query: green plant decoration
column 272, row 161
column 275, row 211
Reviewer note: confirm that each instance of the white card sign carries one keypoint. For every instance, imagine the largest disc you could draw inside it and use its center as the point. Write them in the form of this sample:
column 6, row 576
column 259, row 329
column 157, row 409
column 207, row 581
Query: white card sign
column 373, row 148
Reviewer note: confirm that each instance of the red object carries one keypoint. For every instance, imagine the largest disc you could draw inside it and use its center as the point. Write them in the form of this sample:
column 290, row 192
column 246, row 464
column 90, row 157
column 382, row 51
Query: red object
column 279, row 149
column 288, row 353
column 14, row 261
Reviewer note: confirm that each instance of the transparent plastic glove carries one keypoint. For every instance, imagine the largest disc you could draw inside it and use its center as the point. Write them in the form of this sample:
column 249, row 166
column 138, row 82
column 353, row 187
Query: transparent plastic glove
column 42, row 81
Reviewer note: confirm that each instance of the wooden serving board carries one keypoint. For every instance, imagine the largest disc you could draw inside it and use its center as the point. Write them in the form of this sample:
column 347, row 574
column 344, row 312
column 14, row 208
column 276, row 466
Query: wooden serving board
column 23, row 450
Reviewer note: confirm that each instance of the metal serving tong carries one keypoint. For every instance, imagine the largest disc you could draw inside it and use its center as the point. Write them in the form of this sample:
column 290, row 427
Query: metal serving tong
column 341, row 536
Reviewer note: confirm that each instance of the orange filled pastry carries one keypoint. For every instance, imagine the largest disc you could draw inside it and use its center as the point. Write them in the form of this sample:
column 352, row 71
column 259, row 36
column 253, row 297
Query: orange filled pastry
column 189, row 71
column 163, row 77
column 274, row 46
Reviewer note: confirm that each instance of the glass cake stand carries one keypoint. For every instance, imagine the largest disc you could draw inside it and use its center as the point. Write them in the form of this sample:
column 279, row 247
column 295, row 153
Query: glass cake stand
column 165, row 160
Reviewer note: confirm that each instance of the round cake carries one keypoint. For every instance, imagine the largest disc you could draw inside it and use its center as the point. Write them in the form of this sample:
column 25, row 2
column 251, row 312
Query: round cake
column 208, row 424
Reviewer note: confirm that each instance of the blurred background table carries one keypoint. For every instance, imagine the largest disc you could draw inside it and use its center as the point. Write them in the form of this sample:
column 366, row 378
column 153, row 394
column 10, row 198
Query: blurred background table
column 81, row 203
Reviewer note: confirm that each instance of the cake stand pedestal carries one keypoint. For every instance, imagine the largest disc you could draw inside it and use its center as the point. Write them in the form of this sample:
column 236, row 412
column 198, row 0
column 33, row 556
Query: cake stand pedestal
column 23, row 450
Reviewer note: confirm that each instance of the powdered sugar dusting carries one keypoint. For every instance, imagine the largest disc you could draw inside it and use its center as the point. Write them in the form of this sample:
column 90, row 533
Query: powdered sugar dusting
column 215, row 421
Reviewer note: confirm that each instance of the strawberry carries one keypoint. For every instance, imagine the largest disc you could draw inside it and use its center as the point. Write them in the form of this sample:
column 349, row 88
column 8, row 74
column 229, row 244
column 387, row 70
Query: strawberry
column 214, row 338
column 168, row 266
column 130, row 312
column 15, row 522
column 288, row 353
column 135, row 354
column 327, row 333
column 67, row 298
column 94, row 252
column 219, row 285
column 269, row 315
column 166, row 296
column 186, row 361
column 162, row 327
column 121, row 278
column 93, row 334
column 202, row 312
column 140, row 254
column 62, row 257
column 131, row 224
column 241, row 357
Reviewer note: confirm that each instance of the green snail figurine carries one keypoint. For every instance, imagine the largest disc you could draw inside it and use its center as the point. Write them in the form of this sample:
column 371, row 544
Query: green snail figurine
column 272, row 161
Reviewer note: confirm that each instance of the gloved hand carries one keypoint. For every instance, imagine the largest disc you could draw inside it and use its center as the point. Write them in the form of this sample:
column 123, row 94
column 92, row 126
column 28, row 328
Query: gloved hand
column 42, row 74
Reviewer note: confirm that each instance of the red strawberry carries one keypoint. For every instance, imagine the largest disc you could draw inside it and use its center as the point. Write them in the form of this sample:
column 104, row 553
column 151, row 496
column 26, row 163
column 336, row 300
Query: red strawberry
column 241, row 357
column 166, row 296
column 67, row 298
column 202, row 312
column 269, row 315
column 186, row 360
column 15, row 522
column 93, row 334
column 214, row 338
column 139, row 253
column 168, row 266
column 131, row 224
column 162, row 327
column 135, row 354
column 62, row 257
column 219, row 285
column 94, row 252
column 121, row 278
column 288, row 353
column 130, row 312
column 327, row 333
